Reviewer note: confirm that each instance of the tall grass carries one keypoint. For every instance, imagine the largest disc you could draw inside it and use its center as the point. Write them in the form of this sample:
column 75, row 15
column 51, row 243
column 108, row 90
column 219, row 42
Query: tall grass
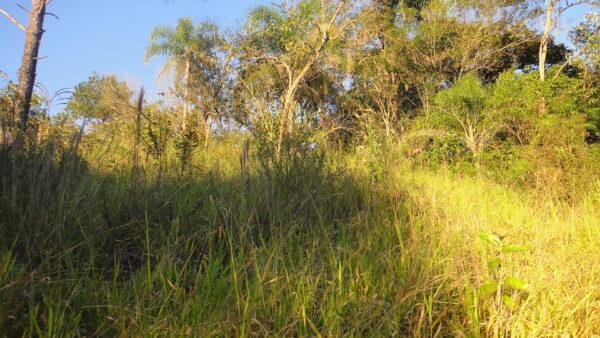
column 318, row 245
column 562, row 265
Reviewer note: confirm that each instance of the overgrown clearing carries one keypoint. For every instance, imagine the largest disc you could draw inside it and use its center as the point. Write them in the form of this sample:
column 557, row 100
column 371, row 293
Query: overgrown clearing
column 300, row 248
column 325, row 168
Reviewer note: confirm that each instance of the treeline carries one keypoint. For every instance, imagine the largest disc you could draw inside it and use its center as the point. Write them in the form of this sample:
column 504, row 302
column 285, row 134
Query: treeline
column 475, row 85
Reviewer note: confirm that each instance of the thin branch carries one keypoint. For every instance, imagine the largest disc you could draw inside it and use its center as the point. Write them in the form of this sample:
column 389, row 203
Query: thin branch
column 23, row 8
column 561, row 68
column 53, row 15
column 13, row 20
column 567, row 6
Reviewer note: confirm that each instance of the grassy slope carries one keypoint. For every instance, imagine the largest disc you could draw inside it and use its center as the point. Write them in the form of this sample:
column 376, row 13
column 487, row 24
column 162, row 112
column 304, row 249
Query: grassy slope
column 341, row 253
column 562, row 266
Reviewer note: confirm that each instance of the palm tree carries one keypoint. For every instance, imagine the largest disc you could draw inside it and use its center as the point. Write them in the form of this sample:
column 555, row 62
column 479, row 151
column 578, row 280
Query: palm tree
column 209, row 72
column 180, row 45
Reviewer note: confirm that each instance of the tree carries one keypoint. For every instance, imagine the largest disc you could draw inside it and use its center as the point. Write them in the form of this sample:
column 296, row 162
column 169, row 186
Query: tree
column 101, row 97
column 27, row 72
column 8, row 102
column 553, row 10
column 292, row 39
column 406, row 51
column 463, row 106
column 586, row 37
column 209, row 76
column 181, row 46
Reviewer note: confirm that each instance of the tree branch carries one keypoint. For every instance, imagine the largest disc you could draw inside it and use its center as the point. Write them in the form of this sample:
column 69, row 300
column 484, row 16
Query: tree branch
column 13, row 20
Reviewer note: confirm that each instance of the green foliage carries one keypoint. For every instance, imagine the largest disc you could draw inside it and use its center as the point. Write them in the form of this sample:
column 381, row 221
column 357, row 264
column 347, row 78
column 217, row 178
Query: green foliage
column 185, row 143
column 101, row 97
column 465, row 98
column 593, row 115
column 193, row 55
column 533, row 139
column 265, row 23
column 586, row 36
column 174, row 43
column 445, row 151
column 279, row 29
column 158, row 131
column 562, row 94
column 127, row 228
column 460, row 111
column 561, row 158
column 501, row 284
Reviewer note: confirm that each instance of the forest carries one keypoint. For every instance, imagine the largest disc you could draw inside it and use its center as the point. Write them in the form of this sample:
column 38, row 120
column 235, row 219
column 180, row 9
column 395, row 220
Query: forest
column 323, row 168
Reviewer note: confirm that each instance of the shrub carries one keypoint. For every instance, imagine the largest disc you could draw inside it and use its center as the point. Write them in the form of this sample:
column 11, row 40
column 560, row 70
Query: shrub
column 560, row 157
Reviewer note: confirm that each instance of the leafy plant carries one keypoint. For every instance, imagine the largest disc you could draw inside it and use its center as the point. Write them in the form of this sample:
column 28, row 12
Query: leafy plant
column 505, row 287
column 185, row 144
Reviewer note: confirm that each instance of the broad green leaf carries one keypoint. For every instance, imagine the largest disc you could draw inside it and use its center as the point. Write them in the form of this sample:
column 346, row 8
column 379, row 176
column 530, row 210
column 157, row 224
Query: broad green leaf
column 488, row 288
column 509, row 301
column 514, row 248
column 516, row 283
column 494, row 263
column 490, row 238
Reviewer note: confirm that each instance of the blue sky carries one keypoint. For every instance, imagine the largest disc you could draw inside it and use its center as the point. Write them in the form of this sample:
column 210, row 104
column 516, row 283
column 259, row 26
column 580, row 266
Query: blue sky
column 106, row 36
column 110, row 36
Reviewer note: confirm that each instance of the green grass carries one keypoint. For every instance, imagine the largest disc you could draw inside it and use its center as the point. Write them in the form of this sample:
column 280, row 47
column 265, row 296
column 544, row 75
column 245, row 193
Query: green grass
column 343, row 248
column 562, row 265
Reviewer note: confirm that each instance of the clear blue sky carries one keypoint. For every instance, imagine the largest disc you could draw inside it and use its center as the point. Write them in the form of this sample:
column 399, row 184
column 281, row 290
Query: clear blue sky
column 106, row 36
column 109, row 36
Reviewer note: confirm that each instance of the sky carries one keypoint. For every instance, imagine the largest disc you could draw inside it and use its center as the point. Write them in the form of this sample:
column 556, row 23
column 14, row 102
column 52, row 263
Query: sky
column 105, row 36
column 110, row 36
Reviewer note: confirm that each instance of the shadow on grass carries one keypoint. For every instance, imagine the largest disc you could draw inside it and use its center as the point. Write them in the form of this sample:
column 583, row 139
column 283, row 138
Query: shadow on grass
column 70, row 235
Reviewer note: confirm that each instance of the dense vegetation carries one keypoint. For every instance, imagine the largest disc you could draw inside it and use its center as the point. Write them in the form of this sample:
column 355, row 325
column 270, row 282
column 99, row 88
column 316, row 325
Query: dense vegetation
column 329, row 168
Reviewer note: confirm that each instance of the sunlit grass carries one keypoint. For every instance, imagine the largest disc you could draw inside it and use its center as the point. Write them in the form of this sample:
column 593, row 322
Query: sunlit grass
column 354, row 252
column 562, row 265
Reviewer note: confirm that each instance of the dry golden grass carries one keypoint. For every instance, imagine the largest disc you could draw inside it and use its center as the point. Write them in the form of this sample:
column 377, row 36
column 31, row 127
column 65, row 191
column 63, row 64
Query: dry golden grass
column 359, row 247
column 562, row 265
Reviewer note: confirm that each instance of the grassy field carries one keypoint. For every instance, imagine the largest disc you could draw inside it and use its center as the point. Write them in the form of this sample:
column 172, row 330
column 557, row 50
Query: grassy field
column 315, row 246
column 561, row 265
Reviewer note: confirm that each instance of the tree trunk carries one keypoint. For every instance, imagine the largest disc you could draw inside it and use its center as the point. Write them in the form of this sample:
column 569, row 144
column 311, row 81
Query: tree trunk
column 186, row 90
column 543, row 51
column 291, row 118
column 27, row 72
column 138, row 130
column 207, row 129
column 294, row 82
column 283, row 120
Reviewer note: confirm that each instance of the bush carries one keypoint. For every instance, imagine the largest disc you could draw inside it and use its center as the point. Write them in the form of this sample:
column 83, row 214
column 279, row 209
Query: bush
column 435, row 150
column 536, row 139
column 560, row 157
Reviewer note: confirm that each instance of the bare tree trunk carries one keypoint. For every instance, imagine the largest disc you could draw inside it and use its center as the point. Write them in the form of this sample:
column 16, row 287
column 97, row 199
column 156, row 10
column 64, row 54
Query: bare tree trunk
column 138, row 129
column 294, row 82
column 207, row 129
column 288, row 101
column 186, row 90
column 543, row 51
column 291, row 117
column 283, row 119
column 27, row 72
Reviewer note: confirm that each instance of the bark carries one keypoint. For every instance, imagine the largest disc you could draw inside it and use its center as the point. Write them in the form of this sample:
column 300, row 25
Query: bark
column 27, row 72
column 543, row 51
column 186, row 83
column 138, row 129
column 294, row 82
column 283, row 119
column 207, row 130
